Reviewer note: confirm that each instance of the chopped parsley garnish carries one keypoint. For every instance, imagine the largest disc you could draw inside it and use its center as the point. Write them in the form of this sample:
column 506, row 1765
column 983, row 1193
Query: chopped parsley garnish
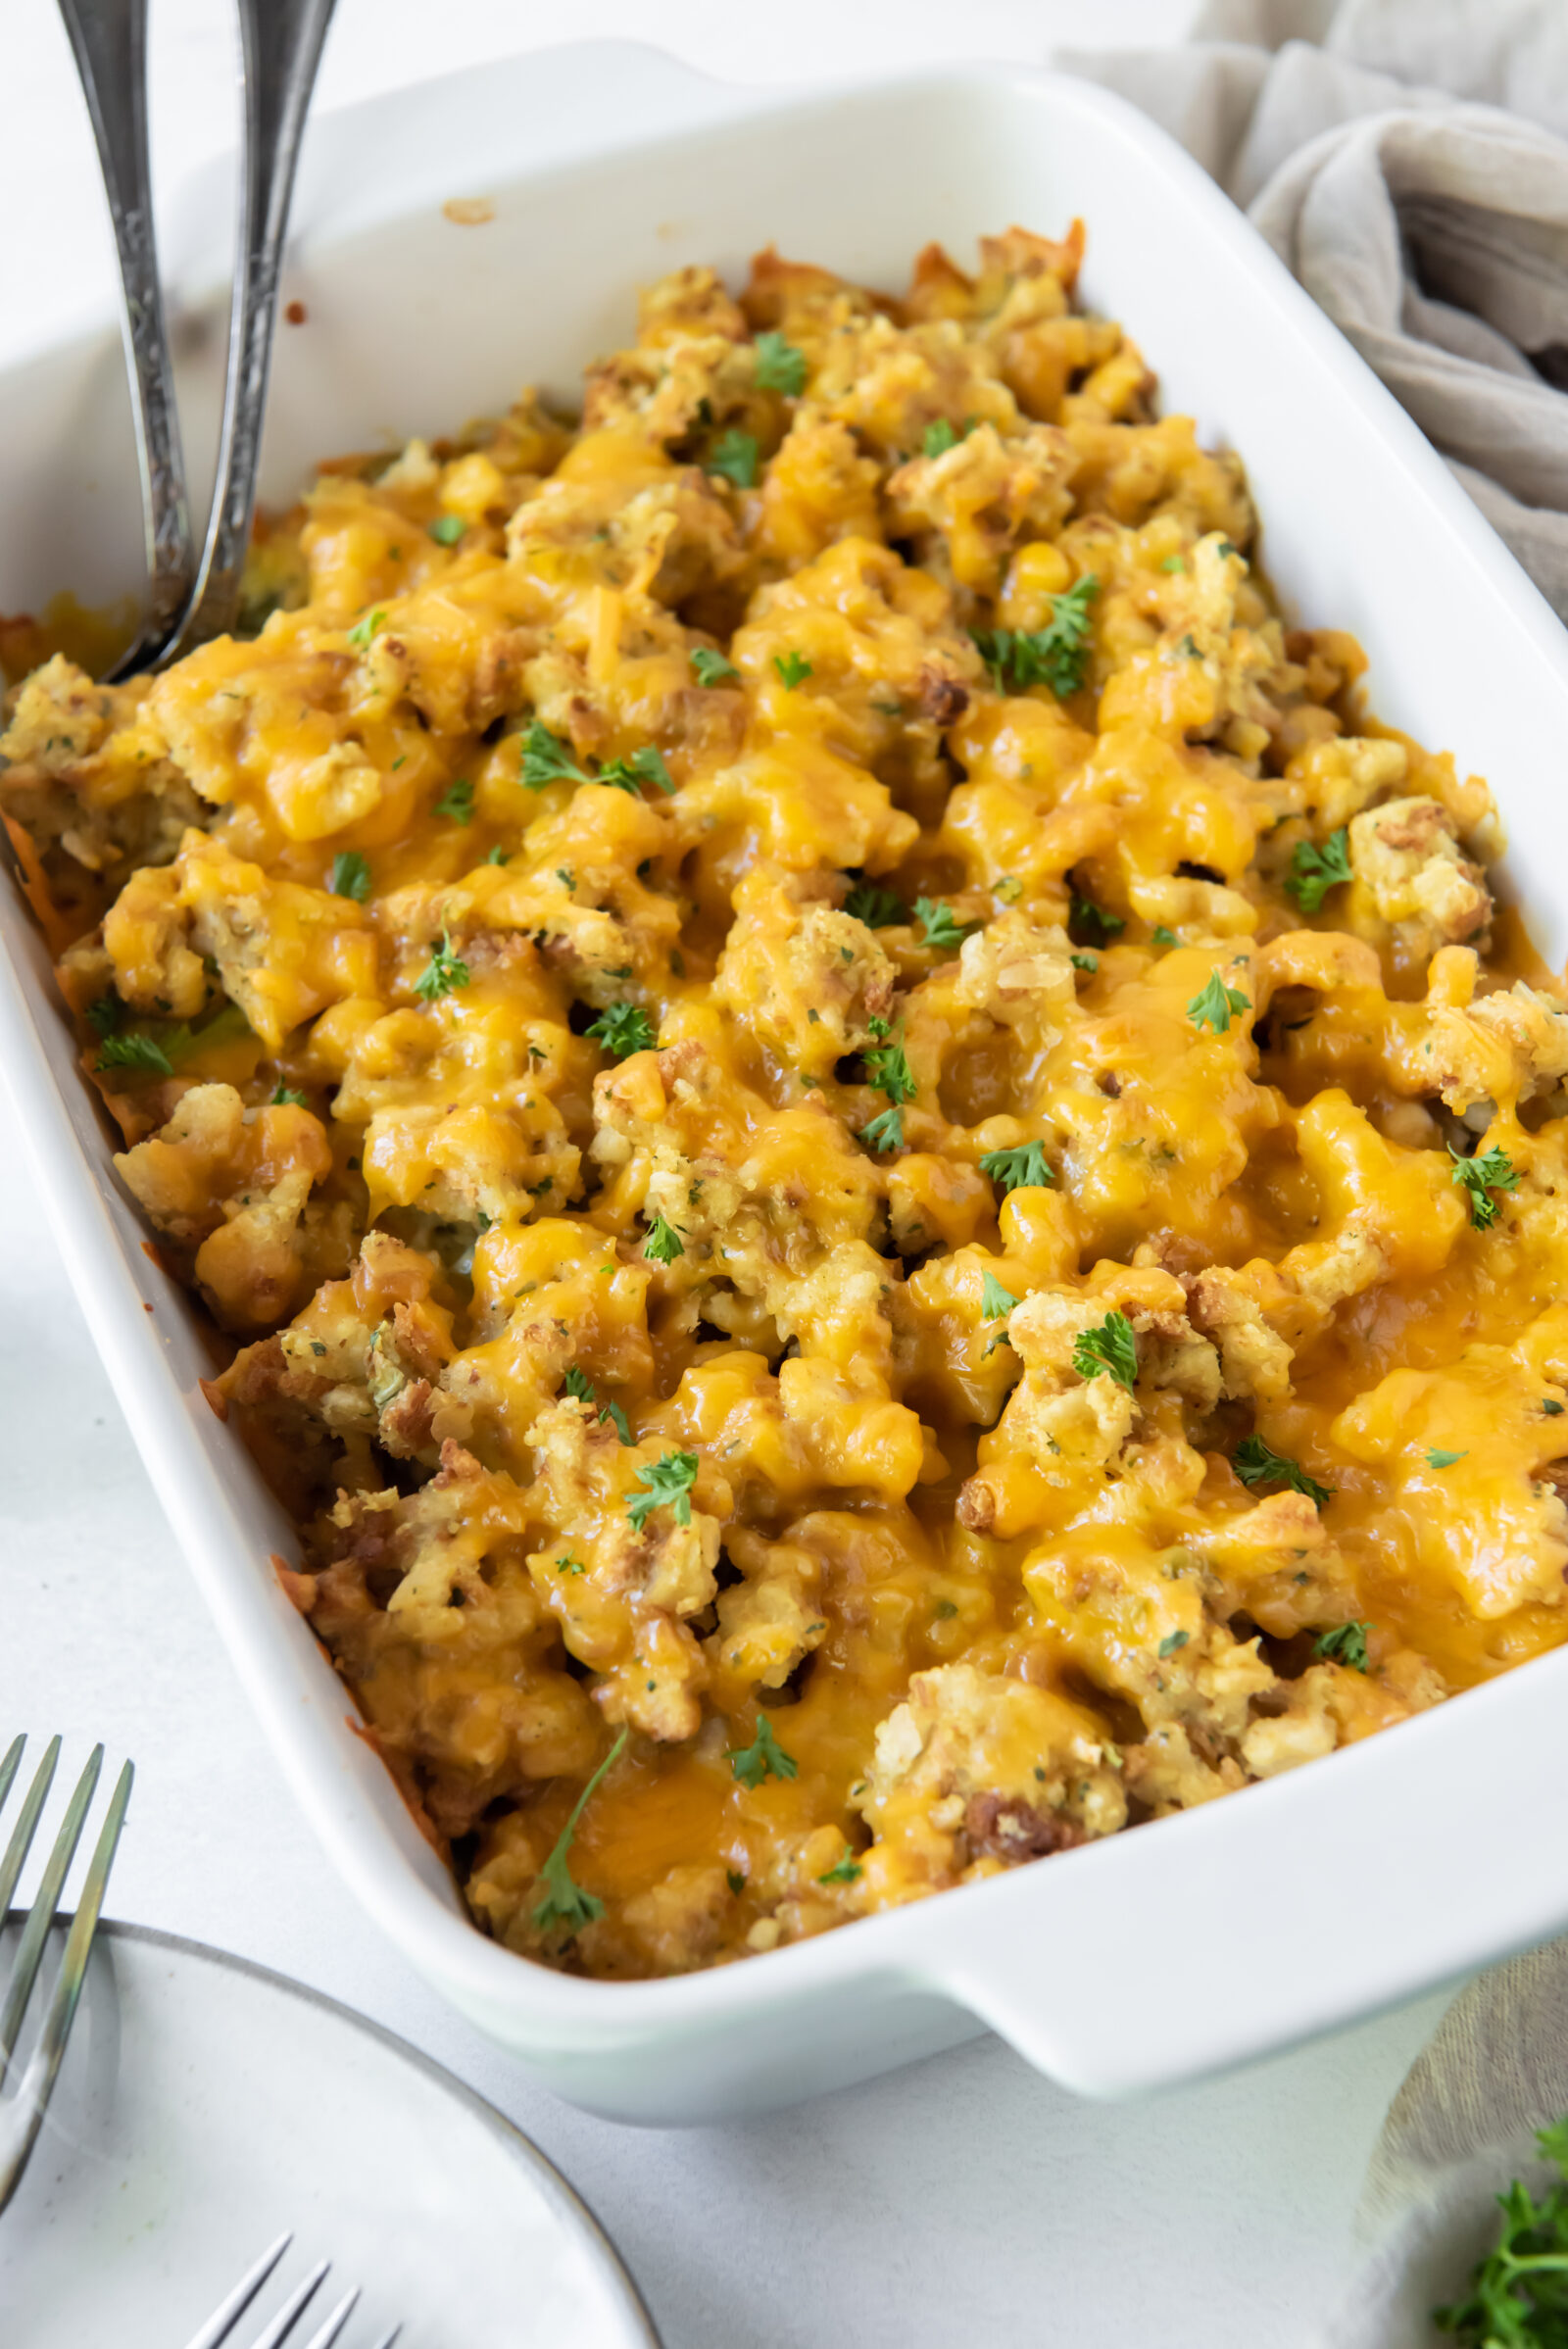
column 578, row 1385
column 938, row 438
column 105, row 1014
column 1171, row 1641
column 764, row 1758
column 443, row 972
column 669, row 1483
column 734, row 455
column 1092, row 925
column 564, row 1902
column 285, row 1098
column 134, row 1051
column 1551, row 1408
column 547, row 759
column 1344, row 1645
column 664, row 1243
column 1495, row 1171
column 1020, row 1170
column 622, row 1029
column 1055, row 655
column 780, row 366
column 939, row 923
column 843, row 1871
column 643, row 767
column 350, row 876
column 996, row 1302
column 709, row 667
column 362, row 632
column 1216, row 1004
column 499, row 855
column 1164, row 937
column 792, row 670
column 1518, row 2296
column 887, row 1066
column 457, row 801
column 447, row 530
column 1256, row 1464
column 885, row 1131
column 735, row 1881
column 1110, row 1346
column 1315, row 872
column 569, row 1564
column 878, row 908
column 1085, row 963
column 1445, row 1459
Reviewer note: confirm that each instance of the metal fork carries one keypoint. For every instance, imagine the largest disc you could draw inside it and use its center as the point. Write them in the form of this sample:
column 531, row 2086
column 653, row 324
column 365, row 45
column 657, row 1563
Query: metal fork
column 190, row 602
column 220, row 2324
column 21, row 2113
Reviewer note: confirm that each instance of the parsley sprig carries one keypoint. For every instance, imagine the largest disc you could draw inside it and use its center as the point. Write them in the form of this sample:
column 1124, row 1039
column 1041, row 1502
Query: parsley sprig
column 547, row 759
column 669, row 1483
column 792, row 670
column 709, row 667
column 1215, row 1004
column 887, row 1067
column 764, row 1758
column 564, row 1901
column 939, row 923
column 996, row 1302
column 1256, row 1464
column 1020, row 1170
column 1492, row 1171
column 663, row 1244
column 144, row 1054
column 350, row 876
column 134, row 1049
column 878, row 908
column 622, row 1029
column 443, row 974
column 1344, row 1645
column 646, row 765
column 1056, row 655
column 734, row 455
column 1518, row 2297
column 578, row 1385
column 457, row 801
column 1315, row 872
column 780, row 365
column 1110, row 1346
column 1092, row 925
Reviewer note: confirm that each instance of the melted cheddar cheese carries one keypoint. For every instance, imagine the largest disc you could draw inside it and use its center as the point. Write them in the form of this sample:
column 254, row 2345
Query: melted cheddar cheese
column 886, row 1193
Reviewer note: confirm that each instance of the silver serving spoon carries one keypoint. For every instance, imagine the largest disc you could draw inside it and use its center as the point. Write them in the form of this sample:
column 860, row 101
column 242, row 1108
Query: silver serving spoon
column 190, row 601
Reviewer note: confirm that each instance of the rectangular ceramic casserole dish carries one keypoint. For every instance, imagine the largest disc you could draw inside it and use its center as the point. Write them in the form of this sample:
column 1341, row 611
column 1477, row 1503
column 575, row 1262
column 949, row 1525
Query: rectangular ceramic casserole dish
column 1151, row 1957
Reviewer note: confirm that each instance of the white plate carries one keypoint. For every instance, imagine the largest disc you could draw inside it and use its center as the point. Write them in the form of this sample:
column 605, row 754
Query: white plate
column 1144, row 1958
column 206, row 2106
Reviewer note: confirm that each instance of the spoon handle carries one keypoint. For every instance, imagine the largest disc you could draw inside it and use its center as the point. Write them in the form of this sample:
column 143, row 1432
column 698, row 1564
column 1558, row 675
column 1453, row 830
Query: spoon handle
column 108, row 41
column 281, row 43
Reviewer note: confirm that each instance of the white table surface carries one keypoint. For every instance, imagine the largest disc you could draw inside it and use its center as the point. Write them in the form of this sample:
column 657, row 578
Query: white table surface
column 963, row 2198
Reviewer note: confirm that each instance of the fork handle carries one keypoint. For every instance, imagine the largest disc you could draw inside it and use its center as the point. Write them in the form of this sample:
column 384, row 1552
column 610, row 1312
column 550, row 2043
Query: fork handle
column 108, row 41
column 282, row 44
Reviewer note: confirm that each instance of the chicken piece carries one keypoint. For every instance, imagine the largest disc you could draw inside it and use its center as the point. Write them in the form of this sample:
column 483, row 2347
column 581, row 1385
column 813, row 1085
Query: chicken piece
column 818, row 489
column 1020, row 973
column 975, row 1772
column 1231, row 1308
column 969, row 507
column 770, row 1623
column 805, row 977
column 1503, row 1048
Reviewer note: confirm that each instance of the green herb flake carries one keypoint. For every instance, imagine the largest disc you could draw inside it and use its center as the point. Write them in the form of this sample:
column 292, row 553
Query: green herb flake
column 285, row 1098
column 878, row 908
column 792, row 670
column 646, row 765
column 457, row 801
column 1165, row 938
column 1215, row 1004
column 1551, row 1408
column 1315, row 872
column 1256, row 1464
column 735, row 1881
column 780, row 366
column 134, row 1051
column 939, row 923
column 709, row 667
column 622, row 1029
column 1171, row 1641
column 1344, row 1645
column 734, row 455
column 843, row 1871
column 667, row 1484
column 1495, row 1171
column 664, row 1243
column 1092, row 925
column 547, row 759
column 1085, row 963
column 105, row 1014
column 499, row 855
column 887, row 1065
column 1445, row 1459
column 885, row 1132
column 564, row 1902
column 349, row 875
column 1111, row 1348
column 362, row 631
column 569, row 1564
column 1055, row 655
column 996, row 1302
column 764, row 1758
column 443, row 974
column 1020, row 1170
column 447, row 530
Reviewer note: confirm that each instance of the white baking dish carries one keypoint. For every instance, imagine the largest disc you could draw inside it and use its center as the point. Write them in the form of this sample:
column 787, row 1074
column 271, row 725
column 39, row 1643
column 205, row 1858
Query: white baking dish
column 1153, row 1956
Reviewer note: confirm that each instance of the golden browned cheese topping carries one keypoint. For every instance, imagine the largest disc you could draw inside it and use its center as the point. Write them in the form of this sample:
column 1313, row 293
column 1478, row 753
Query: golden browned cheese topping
column 888, row 1196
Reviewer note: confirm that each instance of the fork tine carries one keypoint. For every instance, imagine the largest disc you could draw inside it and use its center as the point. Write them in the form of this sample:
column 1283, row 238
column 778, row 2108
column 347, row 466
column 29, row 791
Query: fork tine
column 25, row 2116
column 42, row 1913
column 222, row 2320
column 289, row 2315
column 27, row 1826
column 11, row 1765
column 335, row 2321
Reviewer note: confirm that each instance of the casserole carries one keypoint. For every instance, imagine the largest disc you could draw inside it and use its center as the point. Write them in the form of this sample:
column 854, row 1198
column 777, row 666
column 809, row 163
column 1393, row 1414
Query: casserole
column 1219, row 1979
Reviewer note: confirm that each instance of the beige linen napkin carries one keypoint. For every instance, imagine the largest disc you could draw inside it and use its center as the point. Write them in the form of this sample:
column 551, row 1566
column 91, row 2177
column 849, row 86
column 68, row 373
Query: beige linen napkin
column 1408, row 160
